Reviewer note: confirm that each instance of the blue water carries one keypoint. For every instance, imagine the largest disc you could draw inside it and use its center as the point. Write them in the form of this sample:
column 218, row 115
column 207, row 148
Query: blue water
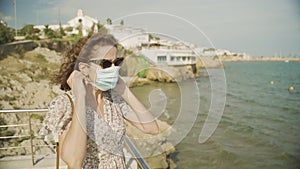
column 260, row 126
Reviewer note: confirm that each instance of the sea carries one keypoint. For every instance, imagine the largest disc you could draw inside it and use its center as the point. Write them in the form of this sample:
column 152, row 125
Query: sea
column 255, row 118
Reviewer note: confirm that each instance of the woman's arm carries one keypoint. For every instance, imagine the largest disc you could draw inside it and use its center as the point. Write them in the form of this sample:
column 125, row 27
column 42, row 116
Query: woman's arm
column 73, row 142
column 141, row 117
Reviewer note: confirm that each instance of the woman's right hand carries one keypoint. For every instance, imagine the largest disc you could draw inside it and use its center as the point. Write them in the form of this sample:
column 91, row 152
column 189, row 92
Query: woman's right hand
column 77, row 83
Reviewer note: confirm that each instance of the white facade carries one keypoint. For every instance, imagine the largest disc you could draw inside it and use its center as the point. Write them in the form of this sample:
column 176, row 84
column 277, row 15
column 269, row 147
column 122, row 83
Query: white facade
column 129, row 37
column 53, row 27
column 169, row 56
column 82, row 20
column 212, row 52
column 221, row 53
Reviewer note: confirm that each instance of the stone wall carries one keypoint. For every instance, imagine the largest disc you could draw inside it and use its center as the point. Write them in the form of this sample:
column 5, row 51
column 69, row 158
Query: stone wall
column 16, row 47
column 21, row 47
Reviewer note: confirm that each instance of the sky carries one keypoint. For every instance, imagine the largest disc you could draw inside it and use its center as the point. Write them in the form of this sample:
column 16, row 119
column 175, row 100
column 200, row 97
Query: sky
column 256, row 27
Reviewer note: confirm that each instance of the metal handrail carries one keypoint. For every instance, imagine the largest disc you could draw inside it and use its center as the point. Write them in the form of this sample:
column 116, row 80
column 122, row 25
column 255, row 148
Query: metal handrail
column 137, row 155
column 31, row 135
column 24, row 111
column 128, row 143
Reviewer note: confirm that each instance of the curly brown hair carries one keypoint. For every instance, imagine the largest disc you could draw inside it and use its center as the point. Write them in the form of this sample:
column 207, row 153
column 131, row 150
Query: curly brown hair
column 82, row 51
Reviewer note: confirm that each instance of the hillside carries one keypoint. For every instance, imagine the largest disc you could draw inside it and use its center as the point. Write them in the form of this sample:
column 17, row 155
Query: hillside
column 25, row 79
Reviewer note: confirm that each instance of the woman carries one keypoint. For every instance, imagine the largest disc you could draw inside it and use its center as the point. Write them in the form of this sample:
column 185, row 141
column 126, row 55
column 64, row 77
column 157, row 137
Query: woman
column 88, row 121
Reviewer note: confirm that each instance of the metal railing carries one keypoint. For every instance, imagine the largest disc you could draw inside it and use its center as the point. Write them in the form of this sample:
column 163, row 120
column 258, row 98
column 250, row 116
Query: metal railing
column 137, row 155
column 29, row 135
column 128, row 143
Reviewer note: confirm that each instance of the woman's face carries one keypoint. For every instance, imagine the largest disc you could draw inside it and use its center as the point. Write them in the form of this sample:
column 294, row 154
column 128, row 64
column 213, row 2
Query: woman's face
column 110, row 54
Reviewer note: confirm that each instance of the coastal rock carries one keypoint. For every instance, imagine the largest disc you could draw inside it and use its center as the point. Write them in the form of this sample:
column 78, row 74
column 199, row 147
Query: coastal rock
column 169, row 74
column 51, row 56
column 5, row 105
column 154, row 148
column 24, row 77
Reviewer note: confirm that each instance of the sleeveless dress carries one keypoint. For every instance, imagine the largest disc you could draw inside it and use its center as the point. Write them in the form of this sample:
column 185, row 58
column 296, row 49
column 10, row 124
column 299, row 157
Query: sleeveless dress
column 105, row 133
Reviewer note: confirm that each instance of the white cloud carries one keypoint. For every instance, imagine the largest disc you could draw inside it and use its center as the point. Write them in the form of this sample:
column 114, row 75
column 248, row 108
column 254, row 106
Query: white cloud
column 5, row 18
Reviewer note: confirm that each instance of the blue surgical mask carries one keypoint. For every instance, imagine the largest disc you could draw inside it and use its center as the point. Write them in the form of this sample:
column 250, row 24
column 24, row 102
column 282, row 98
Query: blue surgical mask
column 107, row 78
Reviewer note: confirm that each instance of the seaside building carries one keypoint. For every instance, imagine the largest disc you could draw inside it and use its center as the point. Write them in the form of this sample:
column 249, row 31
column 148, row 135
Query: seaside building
column 160, row 52
column 85, row 22
column 221, row 54
column 213, row 52
column 171, row 53
column 129, row 37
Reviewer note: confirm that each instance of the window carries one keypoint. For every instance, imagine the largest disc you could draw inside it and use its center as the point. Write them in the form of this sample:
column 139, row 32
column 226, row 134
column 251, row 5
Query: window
column 172, row 58
column 161, row 59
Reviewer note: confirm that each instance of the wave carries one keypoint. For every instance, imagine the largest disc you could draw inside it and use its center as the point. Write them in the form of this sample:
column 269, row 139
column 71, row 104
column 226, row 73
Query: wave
column 291, row 104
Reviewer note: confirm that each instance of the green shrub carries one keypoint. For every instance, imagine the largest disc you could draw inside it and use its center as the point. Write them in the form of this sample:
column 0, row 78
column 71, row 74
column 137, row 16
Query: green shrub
column 32, row 37
column 142, row 74
column 8, row 98
column 37, row 116
column 41, row 57
column 6, row 34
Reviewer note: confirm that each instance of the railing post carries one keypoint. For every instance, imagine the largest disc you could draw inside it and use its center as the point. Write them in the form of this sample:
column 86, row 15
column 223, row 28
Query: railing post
column 31, row 138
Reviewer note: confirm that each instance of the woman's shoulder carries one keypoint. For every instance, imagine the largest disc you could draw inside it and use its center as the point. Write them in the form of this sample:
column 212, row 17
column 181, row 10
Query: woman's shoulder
column 57, row 118
column 61, row 102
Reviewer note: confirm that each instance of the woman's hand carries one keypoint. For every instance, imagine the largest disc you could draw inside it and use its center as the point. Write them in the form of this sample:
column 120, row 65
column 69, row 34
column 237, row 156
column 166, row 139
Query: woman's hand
column 77, row 83
column 81, row 88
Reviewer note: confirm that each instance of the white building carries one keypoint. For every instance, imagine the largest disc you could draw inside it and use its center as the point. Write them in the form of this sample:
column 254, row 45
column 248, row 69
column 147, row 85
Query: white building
column 173, row 53
column 86, row 22
column 212, row 52
column 221, row 53
column 129, row 37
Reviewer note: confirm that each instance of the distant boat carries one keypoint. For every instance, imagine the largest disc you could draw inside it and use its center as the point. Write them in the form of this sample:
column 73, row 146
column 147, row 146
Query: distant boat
column 286, row 61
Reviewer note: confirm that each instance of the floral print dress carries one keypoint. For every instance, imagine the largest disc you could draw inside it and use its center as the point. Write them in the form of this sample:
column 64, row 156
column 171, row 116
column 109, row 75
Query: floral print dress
column 105, row 133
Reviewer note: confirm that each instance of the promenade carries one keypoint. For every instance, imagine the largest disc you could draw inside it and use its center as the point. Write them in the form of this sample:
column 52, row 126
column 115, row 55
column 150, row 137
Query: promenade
column 25, row 162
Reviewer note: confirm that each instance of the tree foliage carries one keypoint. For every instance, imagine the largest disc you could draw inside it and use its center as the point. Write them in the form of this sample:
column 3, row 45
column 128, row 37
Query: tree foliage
column 101, row 28
column 108, row 21
column 122, row 22
column 50, row 33
column 6, row 34
column 29, row 30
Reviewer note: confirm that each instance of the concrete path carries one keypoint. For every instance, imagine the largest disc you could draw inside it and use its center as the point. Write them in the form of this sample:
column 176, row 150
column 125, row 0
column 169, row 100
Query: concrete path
column 25, row 162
